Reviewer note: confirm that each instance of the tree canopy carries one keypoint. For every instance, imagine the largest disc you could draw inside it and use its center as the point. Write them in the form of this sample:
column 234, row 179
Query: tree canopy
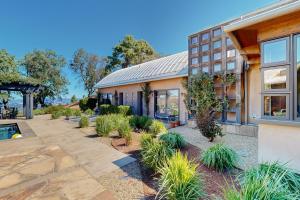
column 90, row 68
column 130, row 52
column 8, row 63
column 46, row 67
column 73, row 99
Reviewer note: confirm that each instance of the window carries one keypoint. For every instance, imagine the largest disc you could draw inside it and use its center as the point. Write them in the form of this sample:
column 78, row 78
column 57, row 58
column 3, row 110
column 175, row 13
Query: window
column 205, row 36
column 194, row 61
column 194, row 50
column 217, row 44
column 297, row 71
column 230, row 66
column 217, row 32
column 275, row 51
column 228, row 42
column 194, row 40
column 204, row 47
column 205, row 58
column 167, row 104
column 106, row 98
column 217, row 56
column 205, row 69
column 275, row 78
column 275, row 106
column 194, row 71
column 230, row 53
column 217, row 67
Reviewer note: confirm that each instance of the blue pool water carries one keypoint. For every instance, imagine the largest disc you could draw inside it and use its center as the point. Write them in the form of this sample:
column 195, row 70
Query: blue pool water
column 8, row 130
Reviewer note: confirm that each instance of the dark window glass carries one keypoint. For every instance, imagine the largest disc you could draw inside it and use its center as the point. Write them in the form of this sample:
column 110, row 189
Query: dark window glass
column 275, row 78
column 298, row 74
column 275, row 51
column 167, row 104
column 275, row 106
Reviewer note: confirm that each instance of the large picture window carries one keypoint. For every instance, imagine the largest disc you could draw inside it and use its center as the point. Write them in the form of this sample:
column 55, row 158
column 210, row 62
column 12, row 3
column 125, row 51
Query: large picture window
column 167, row 104
column 275, row 106
column 276, row 51
column 275, row 78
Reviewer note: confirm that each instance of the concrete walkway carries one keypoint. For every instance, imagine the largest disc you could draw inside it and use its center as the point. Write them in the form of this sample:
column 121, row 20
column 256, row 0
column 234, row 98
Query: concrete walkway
column 59, row 163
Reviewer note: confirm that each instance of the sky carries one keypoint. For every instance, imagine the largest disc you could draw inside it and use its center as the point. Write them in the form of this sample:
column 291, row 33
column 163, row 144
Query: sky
column 98, row 25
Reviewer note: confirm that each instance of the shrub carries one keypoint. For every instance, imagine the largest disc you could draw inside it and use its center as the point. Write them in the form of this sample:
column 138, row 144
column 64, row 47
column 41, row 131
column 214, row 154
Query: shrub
column 84, row 121
column 115, row 120
column 157, row 127
column 56, row 114
column 146, row 139
column 77, row 113
column 180, row 179
column 125, row 130
column 141, row 122
column 87, row 103
column 263, row 185
column 52, row 109
column 39, row 112
column 106, row 109
column 104, row 125
column 68, row 112
column 173, row 139
column 289, row 177
column 155, row 154
column 89, row 112
column 220, row 157
column 124, row 110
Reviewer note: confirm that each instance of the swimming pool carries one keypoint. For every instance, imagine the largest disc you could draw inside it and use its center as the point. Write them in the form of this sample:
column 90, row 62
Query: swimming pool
column 8, row 130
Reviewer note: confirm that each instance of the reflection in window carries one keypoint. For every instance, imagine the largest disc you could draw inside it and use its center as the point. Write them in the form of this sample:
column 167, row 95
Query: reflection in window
column 230, row 66
column 217, row 56
column 275, row 51
column 205, row 36
column 194, row 50
column 228, row 42
column 194, row 61
column 194, row 71
column 217, row 32
column 275, row 78
column 217, row 44
column 205, row 69
column 204, row 47
column 194, row 40
column 231, row 53
column 167, row 104
column 205, row 58
column 275, row 106
column 217, row 67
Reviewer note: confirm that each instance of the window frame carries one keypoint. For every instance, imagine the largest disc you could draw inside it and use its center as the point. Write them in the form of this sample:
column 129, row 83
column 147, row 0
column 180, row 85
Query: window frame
column 217, row 52
column 294, row 75
column 217, row 41
column 205, row 45
column 263, row 116
column 194, row 58
column 205, row 33
column 285, row 90
column 207, row 57
column 231, row 61
column 217, row 29
column 197, row 50
column 194, row 43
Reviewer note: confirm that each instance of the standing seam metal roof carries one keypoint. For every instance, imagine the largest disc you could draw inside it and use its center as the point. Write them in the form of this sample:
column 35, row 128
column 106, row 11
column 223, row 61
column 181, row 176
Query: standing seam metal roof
column 163, row 68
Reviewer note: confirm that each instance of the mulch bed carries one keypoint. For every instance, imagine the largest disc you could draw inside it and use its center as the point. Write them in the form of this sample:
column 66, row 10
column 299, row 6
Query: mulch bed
column 213, row 181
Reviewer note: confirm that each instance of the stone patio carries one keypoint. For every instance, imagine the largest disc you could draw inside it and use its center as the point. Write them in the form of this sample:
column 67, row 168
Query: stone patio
column 245, row 146
column 60, row 162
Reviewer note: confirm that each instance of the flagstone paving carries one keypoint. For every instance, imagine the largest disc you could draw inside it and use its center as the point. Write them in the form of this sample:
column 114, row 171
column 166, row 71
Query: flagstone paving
column 59, row 163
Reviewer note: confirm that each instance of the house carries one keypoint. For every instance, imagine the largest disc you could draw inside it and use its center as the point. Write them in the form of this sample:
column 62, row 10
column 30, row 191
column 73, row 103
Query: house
column 164, row 75
column 261, row 50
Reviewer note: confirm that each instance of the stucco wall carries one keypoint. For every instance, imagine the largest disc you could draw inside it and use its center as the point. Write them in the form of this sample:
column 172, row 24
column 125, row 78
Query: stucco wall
column 277, row 142
column 130, row 94
column 254, row 94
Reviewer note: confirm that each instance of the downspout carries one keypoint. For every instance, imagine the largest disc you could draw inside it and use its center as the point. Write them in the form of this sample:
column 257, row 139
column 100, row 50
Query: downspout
column 246, row 67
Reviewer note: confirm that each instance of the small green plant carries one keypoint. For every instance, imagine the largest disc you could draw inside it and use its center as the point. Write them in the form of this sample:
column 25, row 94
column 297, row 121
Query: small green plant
column 84, row 121
column 124, row 110
column 155, row 154
column 140, row 122
column 104, row 125
column 39, row 112
column 125, row 130
column 89, row 112
column 52, row 109
column 77, row 113
column 173, row 139
column 146, row 139
column 180, row 179
column 68, row 113
column 56, row 114
column 220, row 157
column 157, row 127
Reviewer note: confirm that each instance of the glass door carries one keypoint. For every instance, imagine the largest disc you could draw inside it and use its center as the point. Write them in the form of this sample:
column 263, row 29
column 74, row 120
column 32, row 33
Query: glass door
column 297, row 75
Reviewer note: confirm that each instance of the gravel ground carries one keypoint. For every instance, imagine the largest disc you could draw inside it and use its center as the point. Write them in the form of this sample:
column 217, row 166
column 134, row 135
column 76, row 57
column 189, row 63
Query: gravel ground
column 245, row 146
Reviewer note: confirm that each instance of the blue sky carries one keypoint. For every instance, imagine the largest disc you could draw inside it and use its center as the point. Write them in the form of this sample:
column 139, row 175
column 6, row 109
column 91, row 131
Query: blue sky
column 98, row 25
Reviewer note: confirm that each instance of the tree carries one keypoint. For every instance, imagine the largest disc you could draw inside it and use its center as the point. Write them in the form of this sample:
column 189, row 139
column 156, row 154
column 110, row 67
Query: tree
column 8, row 64
column 130, row 52
column 146, row 93
column 46, row 66
column 90, row 68
column 73, row 99
column 200, row 89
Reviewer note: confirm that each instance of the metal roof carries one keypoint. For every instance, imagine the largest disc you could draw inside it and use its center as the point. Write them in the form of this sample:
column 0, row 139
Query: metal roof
column 172, row 66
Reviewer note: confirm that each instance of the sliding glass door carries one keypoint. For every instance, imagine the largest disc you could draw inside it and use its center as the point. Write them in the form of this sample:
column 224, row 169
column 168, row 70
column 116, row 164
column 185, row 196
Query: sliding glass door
column 167, row 104
column 297, row 75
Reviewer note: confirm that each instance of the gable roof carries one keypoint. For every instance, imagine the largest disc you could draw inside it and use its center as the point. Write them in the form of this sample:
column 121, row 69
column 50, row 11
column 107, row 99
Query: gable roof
column 172, row 66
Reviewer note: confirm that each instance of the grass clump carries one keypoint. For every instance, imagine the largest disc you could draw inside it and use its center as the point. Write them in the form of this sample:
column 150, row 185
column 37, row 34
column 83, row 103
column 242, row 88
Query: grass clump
column 125, row 131
column 157, row 127
column 84, row 121
column 146, row 139
column 173, row 139
column 89, row 112
column 180, row 179
column 220, row 157
column 267, row 182
column 155, row 154
column 68, row 113
column 56, row 114
column 104, row 125
column 77, row 113
column 140, row 122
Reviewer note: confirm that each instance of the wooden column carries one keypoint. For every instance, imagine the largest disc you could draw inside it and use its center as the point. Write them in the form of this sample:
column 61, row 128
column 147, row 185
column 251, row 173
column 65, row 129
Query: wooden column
column 29, row 105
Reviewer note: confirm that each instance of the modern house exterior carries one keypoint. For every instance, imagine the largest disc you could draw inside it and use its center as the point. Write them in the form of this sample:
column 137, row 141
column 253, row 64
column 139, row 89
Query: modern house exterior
column 164, row 75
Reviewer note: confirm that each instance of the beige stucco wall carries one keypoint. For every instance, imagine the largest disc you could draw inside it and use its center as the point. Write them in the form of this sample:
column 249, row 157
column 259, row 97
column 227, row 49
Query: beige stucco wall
column 130, row 94
column 254, row 94
column 277, row 142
